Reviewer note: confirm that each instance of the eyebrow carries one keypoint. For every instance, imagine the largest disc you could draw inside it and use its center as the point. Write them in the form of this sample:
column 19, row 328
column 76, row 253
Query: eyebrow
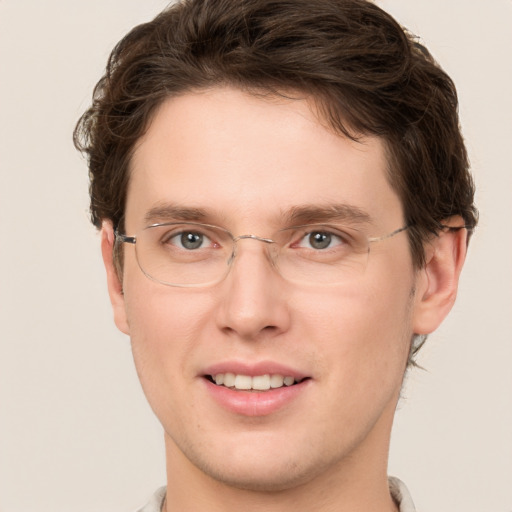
column 318, row 214
column 294, row 216
column 167, row 212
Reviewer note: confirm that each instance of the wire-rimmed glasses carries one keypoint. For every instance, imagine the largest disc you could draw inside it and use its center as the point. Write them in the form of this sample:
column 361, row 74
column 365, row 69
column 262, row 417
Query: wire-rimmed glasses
column 191, row 254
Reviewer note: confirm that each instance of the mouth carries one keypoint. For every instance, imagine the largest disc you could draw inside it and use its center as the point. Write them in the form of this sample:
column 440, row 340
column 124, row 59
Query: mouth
column 256, row 389
column 259, row 383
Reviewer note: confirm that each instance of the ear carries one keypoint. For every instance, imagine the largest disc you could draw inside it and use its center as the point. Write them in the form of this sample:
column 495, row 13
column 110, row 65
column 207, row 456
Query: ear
column 114, row 283
column 438, row 281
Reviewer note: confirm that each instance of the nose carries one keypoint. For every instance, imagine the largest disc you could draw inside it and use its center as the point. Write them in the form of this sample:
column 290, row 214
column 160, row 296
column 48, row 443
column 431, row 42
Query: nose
column 253, row 302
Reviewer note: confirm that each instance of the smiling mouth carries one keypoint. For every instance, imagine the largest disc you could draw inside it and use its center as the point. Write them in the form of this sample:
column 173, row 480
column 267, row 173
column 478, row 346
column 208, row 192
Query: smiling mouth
column 257, row 383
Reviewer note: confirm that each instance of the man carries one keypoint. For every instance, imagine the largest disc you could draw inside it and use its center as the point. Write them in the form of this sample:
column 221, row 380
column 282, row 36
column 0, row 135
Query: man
column 285, row 205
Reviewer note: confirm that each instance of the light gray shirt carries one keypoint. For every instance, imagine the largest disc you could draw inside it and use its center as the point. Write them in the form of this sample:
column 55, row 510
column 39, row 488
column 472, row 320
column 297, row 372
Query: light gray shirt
column 396, row 487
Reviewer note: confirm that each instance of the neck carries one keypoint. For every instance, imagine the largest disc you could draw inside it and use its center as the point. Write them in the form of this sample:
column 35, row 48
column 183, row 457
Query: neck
column 233, row 499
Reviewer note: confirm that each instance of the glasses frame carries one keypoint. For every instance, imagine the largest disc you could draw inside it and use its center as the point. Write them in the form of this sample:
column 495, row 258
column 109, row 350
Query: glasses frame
column 132, row 239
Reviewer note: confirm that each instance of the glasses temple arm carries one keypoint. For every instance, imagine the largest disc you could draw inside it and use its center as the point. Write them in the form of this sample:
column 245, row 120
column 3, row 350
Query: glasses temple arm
column 125, row 238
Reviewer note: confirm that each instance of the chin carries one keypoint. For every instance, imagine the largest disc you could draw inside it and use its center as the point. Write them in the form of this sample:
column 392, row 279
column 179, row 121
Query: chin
column 261, row 467
column 255, row 478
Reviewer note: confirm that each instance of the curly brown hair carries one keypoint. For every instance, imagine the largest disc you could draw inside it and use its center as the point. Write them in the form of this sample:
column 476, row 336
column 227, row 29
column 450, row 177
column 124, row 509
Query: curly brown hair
column 366, row 74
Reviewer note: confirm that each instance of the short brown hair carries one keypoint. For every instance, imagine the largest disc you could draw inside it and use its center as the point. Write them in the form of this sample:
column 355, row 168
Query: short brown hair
column 366, row 74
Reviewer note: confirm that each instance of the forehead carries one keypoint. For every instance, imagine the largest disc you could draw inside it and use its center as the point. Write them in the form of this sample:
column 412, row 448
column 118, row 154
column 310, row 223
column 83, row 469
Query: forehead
column 246, row 158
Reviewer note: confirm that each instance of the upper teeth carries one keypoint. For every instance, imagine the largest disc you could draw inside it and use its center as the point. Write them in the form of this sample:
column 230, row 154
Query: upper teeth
column 259, row 382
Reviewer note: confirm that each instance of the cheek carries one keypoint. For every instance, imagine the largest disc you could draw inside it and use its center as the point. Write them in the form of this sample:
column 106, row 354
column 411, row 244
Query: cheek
column 363, row 336
column 359, row 343
column 165, row 326
column 164, row 319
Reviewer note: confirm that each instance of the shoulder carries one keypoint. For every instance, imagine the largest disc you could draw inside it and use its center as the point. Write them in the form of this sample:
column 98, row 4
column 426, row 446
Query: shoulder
column 401, row 495
column 156, row 502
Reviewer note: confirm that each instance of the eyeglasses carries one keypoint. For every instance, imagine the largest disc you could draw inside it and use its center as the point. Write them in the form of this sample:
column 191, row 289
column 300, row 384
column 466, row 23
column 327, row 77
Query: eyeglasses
column 189, row 254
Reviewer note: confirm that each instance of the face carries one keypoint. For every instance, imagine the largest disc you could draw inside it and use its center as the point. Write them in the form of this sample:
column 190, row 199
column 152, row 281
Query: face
column 246, row 162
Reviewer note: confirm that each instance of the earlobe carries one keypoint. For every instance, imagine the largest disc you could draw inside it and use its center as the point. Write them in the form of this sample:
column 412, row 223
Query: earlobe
column 115, row 286
column 438, row 280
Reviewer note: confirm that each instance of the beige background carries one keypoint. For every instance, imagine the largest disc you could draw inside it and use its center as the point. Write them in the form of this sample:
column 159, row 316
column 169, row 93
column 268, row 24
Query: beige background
column 75, row 431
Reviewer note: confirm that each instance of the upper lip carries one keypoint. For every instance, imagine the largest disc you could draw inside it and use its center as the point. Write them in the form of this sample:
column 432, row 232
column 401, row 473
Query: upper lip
column 253, row 369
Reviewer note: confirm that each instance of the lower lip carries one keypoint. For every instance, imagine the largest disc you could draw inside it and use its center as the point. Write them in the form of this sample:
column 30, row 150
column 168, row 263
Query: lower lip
column 255, row 403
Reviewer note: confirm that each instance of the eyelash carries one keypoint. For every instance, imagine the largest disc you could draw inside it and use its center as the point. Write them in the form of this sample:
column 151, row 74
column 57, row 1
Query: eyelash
column 176, row 235
column 333, row 238
column 299, row 238
column 304, row 237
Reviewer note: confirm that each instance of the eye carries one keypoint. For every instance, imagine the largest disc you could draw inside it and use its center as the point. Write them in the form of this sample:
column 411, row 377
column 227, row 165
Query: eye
column 320, row 240
column 189, row 240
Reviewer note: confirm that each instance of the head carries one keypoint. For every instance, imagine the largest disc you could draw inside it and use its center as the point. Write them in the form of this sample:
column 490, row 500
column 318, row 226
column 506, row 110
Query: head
column 365, row 73
column 344, row 64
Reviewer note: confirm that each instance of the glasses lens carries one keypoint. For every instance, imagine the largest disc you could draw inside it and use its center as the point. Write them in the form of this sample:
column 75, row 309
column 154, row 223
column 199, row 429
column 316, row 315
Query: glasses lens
column 184, row 254
column 193, row 254
column 322, row 254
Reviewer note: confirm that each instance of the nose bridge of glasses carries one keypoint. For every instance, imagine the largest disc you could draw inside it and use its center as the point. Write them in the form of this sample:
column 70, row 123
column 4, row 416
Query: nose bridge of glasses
column 266, row 241
column 254, row 237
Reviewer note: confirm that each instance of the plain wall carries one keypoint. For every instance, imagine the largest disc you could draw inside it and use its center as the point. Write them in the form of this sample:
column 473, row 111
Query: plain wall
column 75, row 430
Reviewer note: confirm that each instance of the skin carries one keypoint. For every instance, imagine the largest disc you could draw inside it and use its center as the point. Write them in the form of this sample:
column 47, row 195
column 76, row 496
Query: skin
column 244, row 160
